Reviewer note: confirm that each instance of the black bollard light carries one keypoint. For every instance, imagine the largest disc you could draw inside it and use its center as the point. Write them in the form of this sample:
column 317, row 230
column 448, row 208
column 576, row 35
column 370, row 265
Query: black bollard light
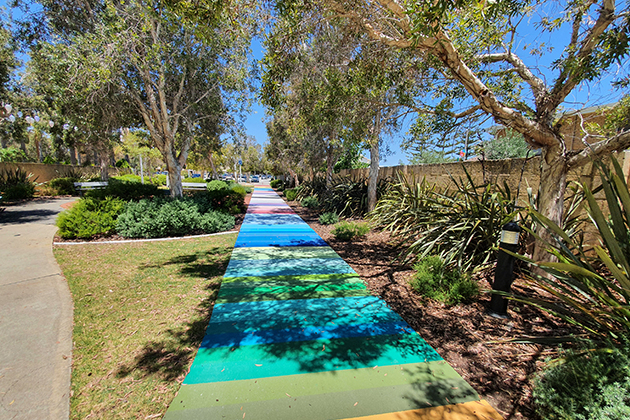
column 504, row 272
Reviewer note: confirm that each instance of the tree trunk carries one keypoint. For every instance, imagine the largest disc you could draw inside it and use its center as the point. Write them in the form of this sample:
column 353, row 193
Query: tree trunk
column 374, row 160
column 329, row 166
column 174, row 175
column 553, row 180
column 103, row 163
column 373, row 177
column 294, row 175
column 38, row 149
column 214, row 169
column 73, row 155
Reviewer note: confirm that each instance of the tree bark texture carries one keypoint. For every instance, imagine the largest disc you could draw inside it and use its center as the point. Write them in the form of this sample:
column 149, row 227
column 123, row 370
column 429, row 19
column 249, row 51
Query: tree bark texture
column 174, row 169
column 374, row 161
column 329, row 166
column 294, row 175
column 553, row 182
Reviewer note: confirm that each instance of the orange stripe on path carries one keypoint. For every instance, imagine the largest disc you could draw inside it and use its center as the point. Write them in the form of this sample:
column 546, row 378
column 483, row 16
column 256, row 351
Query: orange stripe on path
column 473, row 410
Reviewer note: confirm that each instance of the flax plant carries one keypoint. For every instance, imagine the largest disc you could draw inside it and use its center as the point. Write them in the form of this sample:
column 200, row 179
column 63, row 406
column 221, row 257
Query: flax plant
column 460, row 222
column 589, row 287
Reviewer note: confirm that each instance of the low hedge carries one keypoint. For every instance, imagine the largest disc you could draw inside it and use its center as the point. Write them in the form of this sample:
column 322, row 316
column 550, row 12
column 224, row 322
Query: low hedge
column 90, row 217
column 163, row 217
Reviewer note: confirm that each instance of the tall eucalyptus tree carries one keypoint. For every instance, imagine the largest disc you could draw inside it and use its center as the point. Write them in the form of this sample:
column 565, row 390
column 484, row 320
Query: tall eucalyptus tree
column 181, row 77
column 475, row 45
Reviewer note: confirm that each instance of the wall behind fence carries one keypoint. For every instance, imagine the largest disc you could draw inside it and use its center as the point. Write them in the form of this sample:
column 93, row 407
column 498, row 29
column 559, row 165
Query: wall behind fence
column 44, row 172
column 519, row 174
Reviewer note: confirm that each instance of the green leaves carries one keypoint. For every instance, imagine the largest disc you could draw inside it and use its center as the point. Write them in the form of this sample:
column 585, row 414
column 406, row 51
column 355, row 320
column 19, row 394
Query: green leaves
column 592, row 291
column 460, row 223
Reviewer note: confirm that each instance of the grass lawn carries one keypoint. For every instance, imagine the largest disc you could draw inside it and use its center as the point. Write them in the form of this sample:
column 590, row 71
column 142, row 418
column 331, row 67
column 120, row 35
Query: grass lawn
column 140, row 312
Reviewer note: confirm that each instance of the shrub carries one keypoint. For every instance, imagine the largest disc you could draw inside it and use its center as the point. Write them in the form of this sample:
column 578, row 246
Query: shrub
column 461, row 223
column 347, row 196
column 435, row 280
column 197, row 179
column 19, row 191
column 310, row 202
column 347, row 231
column 163, row 217
column 328, row 218
column 12, row 154
column 89, row 217
column 276, row 183
column 290, row 194
column 63, row 186
column 218, row 185
column 16, row 184
column 128, row 177
column 122, row 163
column 239, row 189
column 585, row 385
column 158, row 180
column 590, row 290
column 126, row 190
column 225, row 196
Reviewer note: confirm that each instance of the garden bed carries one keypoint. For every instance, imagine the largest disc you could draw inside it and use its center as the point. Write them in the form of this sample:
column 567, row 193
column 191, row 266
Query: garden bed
column 464, row 334
column 238, row 219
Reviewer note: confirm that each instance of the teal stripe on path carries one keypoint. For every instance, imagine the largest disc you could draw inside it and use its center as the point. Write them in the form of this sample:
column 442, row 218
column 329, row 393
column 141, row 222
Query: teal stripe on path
column 295, row 334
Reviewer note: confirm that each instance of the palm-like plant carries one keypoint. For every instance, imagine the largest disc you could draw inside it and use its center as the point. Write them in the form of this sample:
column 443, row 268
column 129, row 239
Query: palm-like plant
column 461, row 223
column 590, row 287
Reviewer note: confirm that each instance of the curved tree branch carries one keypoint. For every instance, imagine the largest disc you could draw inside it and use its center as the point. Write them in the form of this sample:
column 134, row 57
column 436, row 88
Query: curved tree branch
column 617, row 142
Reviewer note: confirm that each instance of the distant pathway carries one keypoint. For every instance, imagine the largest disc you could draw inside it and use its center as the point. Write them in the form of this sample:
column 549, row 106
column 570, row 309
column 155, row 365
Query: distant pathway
column 295, row 334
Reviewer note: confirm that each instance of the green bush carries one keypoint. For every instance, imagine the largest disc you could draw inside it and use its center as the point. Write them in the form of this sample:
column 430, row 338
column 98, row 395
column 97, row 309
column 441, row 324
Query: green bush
column 89, row 217
column 276, row 183
column 128, row 177
column 435, row 280
column 310, row 202
column 225, row 196
column 328, row 218
column 197, row 179
column 19, row 191
column 290, row 194
column 122, row 163
column 16, row 184
column 162, row 217
column 158, row 180
column 126, row 190
column 63, row 186
column 347, row 231
column 585, row 385
column 347, row 196
column 461, row 222
column 218, row 185
column 12, row 154
column 590, row 290
column 239, row 189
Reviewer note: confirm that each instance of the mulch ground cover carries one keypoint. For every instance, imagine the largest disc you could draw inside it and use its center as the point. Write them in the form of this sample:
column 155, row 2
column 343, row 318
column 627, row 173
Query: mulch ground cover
column 465, row 335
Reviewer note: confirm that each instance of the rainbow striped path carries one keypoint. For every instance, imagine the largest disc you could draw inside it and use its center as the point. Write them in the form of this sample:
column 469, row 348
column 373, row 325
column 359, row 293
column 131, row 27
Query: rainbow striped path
column 295, row 334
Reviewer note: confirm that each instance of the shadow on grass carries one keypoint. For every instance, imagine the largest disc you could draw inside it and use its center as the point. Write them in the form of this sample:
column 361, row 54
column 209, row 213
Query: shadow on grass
column 169, row 357
column 196, row 264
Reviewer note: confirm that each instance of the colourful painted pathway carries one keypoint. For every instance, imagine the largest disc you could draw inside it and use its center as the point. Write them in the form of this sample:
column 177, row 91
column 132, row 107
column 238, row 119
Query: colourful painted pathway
column 295, row 334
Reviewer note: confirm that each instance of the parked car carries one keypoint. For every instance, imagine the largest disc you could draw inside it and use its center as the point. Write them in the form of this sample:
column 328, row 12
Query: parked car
column 254, row 178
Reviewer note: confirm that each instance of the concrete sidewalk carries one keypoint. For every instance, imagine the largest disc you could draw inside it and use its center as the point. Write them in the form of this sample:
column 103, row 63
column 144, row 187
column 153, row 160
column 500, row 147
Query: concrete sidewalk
column 35, row 315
